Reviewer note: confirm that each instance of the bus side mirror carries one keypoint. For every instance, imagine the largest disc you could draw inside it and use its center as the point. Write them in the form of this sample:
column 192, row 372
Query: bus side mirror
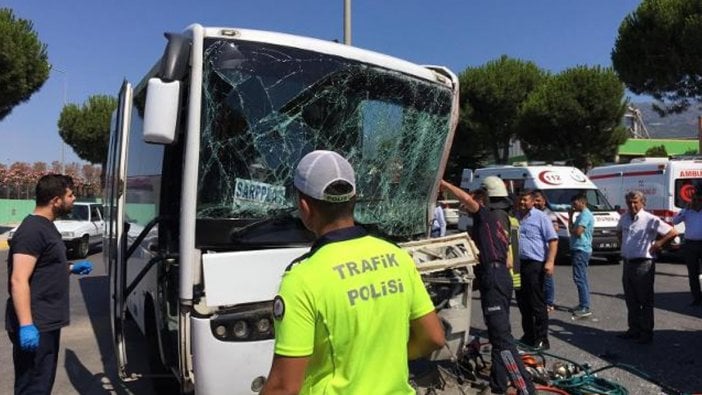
column 161, row 111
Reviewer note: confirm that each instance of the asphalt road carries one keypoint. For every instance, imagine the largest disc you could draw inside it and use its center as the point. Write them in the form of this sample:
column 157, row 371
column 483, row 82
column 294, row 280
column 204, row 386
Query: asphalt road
column 86, row 363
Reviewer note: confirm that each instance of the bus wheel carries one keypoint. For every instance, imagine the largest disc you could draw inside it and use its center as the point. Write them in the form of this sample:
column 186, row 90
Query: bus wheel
column 162, row 379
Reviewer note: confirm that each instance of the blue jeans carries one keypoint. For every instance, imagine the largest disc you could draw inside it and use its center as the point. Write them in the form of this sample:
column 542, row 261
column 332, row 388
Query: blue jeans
column 549, row 290
column 580, row 261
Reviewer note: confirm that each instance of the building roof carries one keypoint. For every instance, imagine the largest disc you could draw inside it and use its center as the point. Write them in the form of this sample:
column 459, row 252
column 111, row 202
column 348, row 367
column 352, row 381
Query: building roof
column 672, row 146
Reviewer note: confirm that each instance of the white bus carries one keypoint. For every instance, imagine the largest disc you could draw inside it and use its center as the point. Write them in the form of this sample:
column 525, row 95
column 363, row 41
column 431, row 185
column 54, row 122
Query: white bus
column 199, row 205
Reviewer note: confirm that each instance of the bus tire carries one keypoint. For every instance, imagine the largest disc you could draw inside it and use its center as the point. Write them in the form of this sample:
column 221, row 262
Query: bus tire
column 163, row 381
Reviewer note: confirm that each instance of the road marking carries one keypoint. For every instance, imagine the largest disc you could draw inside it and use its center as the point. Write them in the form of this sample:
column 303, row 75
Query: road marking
column 3, row 245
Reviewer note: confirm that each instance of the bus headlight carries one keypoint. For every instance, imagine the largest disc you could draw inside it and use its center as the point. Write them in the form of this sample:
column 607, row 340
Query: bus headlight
column 263, row 325
column 221, row 331
column 240, row 329
column 242, row 323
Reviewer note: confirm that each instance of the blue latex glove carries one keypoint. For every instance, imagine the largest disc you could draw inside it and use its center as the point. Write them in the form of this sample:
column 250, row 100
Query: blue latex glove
column 29, row 337
column 82, row 267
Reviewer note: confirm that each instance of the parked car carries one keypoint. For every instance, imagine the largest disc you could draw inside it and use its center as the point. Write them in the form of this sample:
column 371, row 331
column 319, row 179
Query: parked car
column 80, row 229
column 450, row 211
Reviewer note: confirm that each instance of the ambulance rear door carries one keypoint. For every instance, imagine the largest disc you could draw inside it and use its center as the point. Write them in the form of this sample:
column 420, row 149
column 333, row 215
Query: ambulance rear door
column 684, row 180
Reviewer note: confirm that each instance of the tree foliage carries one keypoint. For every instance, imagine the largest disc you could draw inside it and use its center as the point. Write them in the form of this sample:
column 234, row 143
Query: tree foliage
column 24, row 65
column 574, row 116
column 87, row 128
column 467, row 150
column 658, row 52
column 658, row 151
column 491, row 96
column 19, row 179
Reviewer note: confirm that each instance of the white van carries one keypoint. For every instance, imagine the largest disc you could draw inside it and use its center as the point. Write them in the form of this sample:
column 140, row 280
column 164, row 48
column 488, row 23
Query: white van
column 559, row 184
column 668, row 184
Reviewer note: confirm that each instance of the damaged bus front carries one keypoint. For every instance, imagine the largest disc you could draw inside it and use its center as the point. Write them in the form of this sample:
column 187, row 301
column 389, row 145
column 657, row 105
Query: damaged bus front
column 200, row 207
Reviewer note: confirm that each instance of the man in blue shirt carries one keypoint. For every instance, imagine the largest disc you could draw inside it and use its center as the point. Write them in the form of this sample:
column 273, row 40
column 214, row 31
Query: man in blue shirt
column 692, row 249
column 538, row 243
column 580, row 251
column 549, row 282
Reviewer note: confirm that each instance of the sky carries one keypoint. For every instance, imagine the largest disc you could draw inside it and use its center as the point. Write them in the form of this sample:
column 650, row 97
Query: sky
column 94, row 45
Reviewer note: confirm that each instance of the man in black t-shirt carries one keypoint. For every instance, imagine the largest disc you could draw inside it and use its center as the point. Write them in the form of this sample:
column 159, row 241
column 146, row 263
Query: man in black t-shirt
column 495, row 285
column 37, row 307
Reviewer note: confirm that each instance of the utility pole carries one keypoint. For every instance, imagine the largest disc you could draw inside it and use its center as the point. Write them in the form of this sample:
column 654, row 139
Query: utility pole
column 347, row 22
column 65, row 100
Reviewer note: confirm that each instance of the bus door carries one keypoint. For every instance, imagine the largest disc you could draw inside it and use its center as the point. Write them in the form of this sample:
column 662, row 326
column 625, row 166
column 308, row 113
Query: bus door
column 117, row 232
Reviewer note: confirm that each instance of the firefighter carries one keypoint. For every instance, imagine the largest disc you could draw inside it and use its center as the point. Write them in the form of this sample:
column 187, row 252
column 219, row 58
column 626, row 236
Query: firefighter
column 495, row 285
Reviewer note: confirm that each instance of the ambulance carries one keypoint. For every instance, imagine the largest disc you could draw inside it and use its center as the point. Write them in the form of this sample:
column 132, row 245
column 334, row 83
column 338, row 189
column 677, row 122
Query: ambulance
column 668, row 185
column 559, row 184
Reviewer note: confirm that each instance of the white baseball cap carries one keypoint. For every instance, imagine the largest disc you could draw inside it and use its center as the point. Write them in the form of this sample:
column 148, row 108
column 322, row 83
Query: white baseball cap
column 319, row 169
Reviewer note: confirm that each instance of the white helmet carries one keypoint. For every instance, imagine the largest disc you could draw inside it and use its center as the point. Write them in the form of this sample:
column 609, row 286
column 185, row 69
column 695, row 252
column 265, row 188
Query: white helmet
column 494, row 186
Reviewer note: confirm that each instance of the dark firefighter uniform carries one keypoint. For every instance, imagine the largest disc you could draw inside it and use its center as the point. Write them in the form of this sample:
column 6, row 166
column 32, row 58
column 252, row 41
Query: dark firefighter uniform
column 495, row 285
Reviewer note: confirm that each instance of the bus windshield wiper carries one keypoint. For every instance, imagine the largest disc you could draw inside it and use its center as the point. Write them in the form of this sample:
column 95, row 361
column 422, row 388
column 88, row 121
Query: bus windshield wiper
column 283, row 214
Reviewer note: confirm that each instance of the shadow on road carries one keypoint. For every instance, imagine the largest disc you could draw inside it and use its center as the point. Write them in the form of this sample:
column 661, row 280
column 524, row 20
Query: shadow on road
column 675, row 302
column 670, row 361
column 78, row 376
column 95, row 292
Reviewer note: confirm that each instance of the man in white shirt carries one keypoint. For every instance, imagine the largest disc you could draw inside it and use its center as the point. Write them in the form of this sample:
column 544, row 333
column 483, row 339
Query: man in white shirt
column 641, row 235
column 438, row 224
column 692, row 249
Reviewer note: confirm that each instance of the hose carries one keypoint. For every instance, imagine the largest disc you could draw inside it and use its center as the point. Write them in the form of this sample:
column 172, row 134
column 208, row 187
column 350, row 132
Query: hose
column 582, row 384
column 587, row 383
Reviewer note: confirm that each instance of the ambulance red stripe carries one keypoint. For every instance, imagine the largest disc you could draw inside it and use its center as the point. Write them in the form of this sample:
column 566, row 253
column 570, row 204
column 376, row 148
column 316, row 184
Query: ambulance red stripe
column 629, row 174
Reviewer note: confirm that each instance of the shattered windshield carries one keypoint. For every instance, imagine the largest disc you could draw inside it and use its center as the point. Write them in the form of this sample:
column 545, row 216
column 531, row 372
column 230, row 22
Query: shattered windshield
column 266, row 106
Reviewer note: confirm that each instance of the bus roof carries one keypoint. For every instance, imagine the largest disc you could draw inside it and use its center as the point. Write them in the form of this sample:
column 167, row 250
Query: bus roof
column 327, row 47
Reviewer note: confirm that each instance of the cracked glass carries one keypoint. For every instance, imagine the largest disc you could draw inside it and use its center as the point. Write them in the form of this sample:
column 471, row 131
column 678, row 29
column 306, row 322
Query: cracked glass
column 265, row 106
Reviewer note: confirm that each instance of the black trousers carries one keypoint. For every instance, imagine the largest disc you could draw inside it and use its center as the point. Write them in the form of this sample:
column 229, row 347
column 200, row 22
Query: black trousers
column 35, row 371
column 495, row 286
column 692, row 250
column 532, row 302
column 637, row 278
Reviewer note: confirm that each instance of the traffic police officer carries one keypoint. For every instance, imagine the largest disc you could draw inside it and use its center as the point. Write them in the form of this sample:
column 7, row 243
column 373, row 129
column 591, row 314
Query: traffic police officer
column 353, row 306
